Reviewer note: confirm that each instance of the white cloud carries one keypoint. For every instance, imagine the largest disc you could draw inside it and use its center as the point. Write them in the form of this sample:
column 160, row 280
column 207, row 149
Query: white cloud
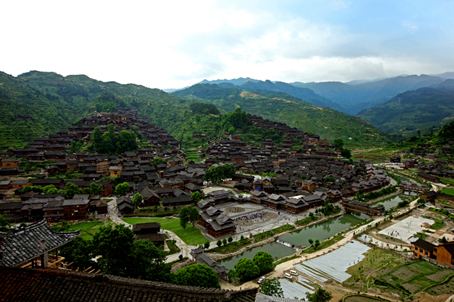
column 177, row 43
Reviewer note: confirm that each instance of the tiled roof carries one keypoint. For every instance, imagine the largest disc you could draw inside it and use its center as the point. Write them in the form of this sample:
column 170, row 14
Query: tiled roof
column 58, row 285
column 24, row 245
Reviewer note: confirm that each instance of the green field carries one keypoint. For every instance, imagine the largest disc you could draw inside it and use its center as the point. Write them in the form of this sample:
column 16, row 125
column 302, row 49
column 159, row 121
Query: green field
column 448, row 191
column 88, row 228
column 391, row 272
column 191, row 235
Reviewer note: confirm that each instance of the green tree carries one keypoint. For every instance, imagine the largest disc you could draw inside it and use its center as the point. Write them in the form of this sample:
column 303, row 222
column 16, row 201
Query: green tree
column 272, row 287
column 193, row 215
column 224, row 241
column 94, row 189
column 77, row 251
column 347, row 153
column 185, row 216
column 246, row 269
column 196, row 196
column 148, row 262
column 339, row 144
column 219, row 243
column 206, row 245
column 97, row 140
column 200, row 275
column 316, row 243
column 122, row 189
column 5, row 224
column 50, row 189
column 114, row 245
column 311, row 241
column 137, row 199
column 230, row 239
column 264, row 262
column 71, row 190
column 320, row 295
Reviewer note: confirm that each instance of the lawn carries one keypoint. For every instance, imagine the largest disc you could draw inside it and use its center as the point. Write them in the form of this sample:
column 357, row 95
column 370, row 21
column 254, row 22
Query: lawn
column 448, row 191
column 88, row 228
column 191, row 235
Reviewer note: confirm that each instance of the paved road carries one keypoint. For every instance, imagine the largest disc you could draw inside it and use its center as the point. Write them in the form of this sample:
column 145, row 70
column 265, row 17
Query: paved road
column 112, row 211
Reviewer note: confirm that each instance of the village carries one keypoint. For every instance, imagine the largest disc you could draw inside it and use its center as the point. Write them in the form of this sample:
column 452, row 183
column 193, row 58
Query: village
column 293, row 196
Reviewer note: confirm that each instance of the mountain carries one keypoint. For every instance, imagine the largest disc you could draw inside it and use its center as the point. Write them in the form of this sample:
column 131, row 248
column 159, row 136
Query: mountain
column 236, row 82
column 354, row 98
column 282, row 107
column 247, row 84
column 37, row 103
column 425, row 109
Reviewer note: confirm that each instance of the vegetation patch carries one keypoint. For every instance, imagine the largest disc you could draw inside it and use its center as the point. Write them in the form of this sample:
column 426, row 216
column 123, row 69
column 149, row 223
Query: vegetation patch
column 191, row 235
column 271, row 233
column 88, row 229
column 231, row 247
column 324, row 244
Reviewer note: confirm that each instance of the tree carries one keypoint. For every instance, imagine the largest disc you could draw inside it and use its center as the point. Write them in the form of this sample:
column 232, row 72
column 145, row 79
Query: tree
column 94, row 189
column 77, row 251
column 246, row 269
column 122, row 189
column 316, row 243
column 206, row 245
column 219, row 243
column 224, row 241
column 193, row 215
column 339, row 144
column 114, row 245
column 346, row 153
column 71, row 190
column 196, row 196
column 272, row 287
column 320, row 295
column 264, row 262
column 185, row 216
column 311, row 241
column 5, row 225
column 50, row 189
column 137, row 199
column 200, row 275
column 148, row 262
column 230, row 239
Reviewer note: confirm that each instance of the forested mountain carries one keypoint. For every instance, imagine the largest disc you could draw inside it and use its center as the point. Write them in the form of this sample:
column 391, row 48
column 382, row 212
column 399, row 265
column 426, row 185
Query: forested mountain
column 424, row 109
column 354, row 98
column 247, row 84
column 282, row 107
column 41, row 103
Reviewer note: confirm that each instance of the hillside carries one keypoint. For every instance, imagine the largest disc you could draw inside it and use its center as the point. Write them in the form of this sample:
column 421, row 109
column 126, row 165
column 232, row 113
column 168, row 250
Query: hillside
column 282, row 107
column 354, row 98
column 247, row 84
column 41, row 103
column 424, row 109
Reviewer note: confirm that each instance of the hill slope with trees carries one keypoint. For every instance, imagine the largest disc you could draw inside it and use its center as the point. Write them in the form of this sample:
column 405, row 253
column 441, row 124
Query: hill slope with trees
column 409, row 113
column 278, row 106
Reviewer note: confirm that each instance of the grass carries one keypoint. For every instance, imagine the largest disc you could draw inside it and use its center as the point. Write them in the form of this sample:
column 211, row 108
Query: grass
column 448, row 191
column 324, row 244
column 191, row 235
column 389, row 271
column 306, row 220
column 89, row 229
column 271, row 233
column 447, row 181
column 438, row 223
column 231, row 247
column 171, row 244
column 285, row 260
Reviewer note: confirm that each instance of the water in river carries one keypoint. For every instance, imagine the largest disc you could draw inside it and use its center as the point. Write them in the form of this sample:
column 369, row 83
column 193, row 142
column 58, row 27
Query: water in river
column 389, row 203
column 275, row 249
column 319, row 231
column 324, row 230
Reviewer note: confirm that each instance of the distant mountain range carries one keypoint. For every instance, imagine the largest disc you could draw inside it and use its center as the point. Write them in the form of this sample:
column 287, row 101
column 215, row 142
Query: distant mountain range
column 283, row 107
column 424, row 110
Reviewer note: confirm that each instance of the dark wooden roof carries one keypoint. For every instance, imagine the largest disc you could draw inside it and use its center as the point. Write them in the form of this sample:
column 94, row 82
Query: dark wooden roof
column 427, row 246
column 24, row 245
column 59, row 285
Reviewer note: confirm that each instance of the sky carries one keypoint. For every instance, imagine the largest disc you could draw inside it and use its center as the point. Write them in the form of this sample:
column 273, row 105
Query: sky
column 173, row 44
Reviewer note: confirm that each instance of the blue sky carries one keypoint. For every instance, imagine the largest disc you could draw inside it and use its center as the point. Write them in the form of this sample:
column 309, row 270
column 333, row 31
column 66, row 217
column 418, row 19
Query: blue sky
column 173, row 44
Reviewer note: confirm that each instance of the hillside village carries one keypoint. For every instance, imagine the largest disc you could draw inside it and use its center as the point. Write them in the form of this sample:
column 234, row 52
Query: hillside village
column 272, row 185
